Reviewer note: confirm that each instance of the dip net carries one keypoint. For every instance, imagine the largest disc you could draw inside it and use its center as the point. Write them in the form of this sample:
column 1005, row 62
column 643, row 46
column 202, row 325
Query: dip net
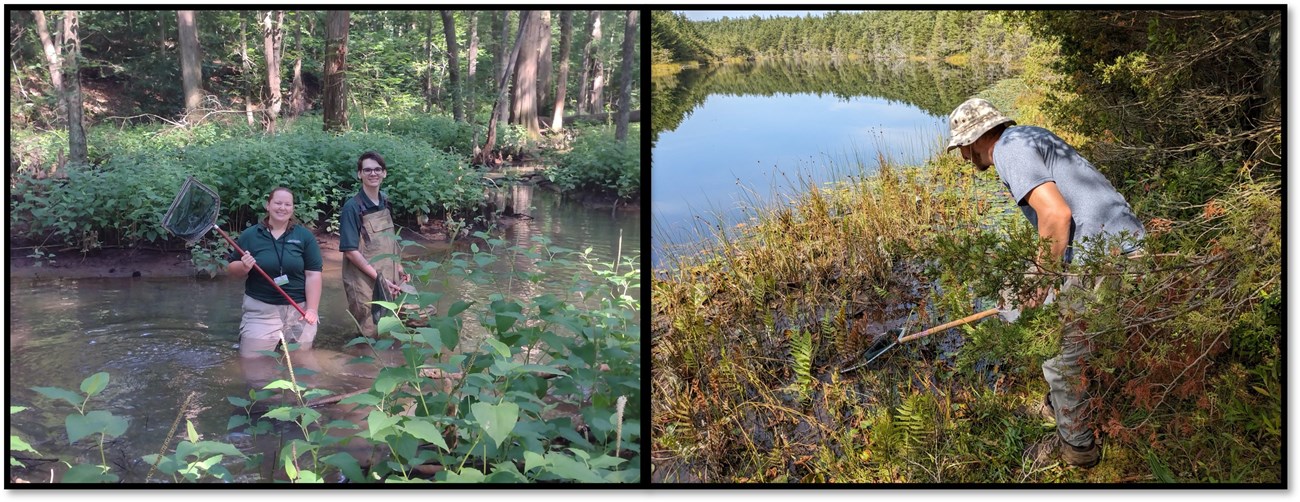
column 193, row 212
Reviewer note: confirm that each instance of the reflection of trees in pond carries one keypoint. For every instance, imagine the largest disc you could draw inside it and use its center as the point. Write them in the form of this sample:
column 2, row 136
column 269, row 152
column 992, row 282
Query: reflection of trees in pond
column 933, row 87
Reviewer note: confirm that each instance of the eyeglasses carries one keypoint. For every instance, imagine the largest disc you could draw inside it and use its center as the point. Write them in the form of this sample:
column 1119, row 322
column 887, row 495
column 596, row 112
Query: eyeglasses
column 372, row 170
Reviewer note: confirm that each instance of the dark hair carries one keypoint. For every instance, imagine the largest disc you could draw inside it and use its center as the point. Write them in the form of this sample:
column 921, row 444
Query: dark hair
column 372, row 155
column 997, row 129
column 266, row 220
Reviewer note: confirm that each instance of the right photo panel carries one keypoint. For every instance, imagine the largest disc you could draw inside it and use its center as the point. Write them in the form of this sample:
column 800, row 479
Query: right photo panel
column 989, row 248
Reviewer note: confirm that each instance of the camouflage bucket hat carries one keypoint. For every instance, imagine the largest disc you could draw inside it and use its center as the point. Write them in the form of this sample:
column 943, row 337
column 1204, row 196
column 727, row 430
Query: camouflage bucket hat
column 971, row 120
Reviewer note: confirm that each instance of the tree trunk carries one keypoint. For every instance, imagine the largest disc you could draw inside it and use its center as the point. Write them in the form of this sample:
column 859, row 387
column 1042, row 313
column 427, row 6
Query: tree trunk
column 588, row 62
column 453, row 65
column 336, row 54
column 503, row 41
column 191, row 72
column 71, row 52
column 625, row 86
column 483, row 155
column 273, row 39
column 51, row 51
column 566, row 40
column 247, row 64
column 472, row 52
column 428, row 58
column 163, row 19
column 525, row 95
column 297, row 91
column 545, row 61
column 597, row 104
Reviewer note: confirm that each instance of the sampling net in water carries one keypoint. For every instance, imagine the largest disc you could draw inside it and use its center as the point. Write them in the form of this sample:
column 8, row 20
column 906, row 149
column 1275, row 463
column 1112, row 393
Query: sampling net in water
column 193, row 212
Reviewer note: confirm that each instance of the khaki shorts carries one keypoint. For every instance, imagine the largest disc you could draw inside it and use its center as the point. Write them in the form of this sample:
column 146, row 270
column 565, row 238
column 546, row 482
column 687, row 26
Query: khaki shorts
column 263, row 323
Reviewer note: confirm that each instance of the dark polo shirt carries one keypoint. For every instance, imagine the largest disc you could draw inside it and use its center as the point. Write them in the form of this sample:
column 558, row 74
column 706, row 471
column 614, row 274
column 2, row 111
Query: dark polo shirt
column 295, row 252
column 350, row 219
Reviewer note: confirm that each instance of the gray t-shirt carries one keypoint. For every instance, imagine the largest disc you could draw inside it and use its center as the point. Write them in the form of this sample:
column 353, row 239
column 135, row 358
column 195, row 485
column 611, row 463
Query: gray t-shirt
column 1027, row 156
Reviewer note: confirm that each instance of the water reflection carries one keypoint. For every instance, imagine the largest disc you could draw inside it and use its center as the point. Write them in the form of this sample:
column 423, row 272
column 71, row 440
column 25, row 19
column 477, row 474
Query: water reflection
column 729, row 139
column 161, row 339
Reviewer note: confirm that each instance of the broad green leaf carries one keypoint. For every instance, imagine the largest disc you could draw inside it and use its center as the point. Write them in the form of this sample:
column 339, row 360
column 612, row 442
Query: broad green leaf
column 466, row 475
column 94, row 384
column 56, row 393
column 16, row 409
column 208, row 463
column 504, row 367
column 280, row 384
column 379, row 424
column 449, row 330
column 431, row 336
column 309, row 416
column 309, row 477
column 505, row 472
column 236, row 421
column 458, row 307
column 497, row 420
column 221, row 448
column 17, row 444
column 386, row 305
column 239, row 401
column 500, row 348
column 289, row 469
column 316, row 394
column 388, row 324
column 366, row 399
column 534, row 460
column 348, row 464
column 506, row 313
column 283, row 414
column 570, row 468
column 98, row 421
column 88, row 474
column 606, row 462
column 423, row 429
column 543, row 369
column 192, row 434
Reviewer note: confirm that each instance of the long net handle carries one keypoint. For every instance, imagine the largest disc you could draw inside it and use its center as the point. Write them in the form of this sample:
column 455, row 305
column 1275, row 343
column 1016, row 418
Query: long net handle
column 965, row 320
column 259, row 270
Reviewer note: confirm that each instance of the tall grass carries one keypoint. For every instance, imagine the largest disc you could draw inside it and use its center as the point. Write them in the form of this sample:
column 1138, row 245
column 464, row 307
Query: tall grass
column 753, row 324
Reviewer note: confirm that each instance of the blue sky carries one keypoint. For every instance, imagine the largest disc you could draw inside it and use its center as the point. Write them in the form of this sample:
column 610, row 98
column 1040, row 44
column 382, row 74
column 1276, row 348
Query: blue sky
column 701, row 15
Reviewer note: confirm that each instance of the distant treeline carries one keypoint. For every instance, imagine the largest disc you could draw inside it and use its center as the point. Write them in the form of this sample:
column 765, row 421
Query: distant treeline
column 978, row 35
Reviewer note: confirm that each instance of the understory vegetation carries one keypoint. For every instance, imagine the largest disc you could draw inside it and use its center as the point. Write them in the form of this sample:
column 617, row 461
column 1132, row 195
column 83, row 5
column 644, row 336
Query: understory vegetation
column 760, row 331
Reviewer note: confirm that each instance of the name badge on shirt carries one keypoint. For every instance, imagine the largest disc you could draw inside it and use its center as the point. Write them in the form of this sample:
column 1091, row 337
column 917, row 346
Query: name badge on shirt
column 282, row 280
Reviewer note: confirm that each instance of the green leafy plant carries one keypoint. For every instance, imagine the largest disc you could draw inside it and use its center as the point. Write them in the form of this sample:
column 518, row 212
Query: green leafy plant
column 17, row 443
column 598, row 161
column 87, row 423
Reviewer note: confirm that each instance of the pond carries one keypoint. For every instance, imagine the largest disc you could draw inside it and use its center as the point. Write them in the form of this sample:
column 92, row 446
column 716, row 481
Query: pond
column 734, row 137
column 162, row 339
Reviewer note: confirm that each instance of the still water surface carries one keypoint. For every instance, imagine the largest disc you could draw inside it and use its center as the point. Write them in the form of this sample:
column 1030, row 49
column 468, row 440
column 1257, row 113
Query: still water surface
column 161, row 339
column 729, row 138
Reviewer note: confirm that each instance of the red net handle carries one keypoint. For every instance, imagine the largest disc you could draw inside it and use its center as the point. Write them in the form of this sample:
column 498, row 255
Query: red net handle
column 259, row 270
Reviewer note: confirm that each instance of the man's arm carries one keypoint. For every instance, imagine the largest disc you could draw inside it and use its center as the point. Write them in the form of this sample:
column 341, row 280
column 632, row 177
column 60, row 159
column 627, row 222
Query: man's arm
column 1054, row 217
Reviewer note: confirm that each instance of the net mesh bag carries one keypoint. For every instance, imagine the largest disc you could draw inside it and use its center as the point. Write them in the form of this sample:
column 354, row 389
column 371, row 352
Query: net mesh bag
column 193, row 212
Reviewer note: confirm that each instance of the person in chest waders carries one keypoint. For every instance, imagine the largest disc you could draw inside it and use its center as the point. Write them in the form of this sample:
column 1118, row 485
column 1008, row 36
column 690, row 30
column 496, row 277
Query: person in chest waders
column 366, row 234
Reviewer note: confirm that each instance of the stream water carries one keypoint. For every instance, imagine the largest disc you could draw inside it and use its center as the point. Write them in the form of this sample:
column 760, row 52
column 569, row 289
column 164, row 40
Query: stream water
column 162, row 339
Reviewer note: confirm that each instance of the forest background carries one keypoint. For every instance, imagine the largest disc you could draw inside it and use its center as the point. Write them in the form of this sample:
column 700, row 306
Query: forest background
column 130, row 101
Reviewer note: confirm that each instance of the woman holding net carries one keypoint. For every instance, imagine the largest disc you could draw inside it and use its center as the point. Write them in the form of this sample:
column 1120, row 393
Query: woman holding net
column 288, row 253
